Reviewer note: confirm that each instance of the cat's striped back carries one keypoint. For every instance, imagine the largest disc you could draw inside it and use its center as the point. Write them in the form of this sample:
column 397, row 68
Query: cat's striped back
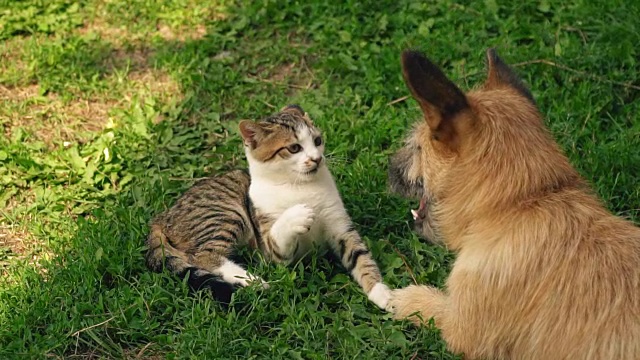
column 197, row 234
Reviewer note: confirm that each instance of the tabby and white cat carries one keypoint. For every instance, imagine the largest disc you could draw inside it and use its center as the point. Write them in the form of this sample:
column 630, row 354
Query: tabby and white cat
column 287, row 203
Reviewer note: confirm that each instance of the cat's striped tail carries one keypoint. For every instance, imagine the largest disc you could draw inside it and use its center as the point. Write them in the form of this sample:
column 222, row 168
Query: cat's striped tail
column 162, row 255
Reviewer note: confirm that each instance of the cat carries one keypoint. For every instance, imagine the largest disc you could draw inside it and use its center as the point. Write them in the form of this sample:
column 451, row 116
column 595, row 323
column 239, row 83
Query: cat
column 286, row 204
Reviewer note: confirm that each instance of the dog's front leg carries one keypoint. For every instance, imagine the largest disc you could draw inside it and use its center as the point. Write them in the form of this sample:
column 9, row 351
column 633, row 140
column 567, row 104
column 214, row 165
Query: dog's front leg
column 418, row 304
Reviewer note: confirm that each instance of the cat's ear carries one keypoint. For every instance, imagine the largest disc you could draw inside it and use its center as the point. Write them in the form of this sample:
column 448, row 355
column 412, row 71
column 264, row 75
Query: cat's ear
column 251, row 132
column 295, row 109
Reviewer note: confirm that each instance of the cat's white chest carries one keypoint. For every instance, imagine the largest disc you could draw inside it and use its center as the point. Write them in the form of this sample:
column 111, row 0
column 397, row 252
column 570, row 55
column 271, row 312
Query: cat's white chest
column 321, row 195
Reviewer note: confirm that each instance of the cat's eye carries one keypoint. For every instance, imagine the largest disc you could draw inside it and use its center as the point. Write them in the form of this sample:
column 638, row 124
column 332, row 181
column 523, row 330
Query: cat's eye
column 317, row 141
column 295, row 148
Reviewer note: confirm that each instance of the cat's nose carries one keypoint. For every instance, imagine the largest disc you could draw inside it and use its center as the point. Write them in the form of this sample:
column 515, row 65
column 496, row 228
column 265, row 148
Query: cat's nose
column 316, row 160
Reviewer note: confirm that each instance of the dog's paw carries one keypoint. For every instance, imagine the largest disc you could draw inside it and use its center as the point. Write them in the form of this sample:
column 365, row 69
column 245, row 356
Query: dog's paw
column 417, row 303
column 298, row 219
column 404, row 302
column 380, row 295
column 395, row 302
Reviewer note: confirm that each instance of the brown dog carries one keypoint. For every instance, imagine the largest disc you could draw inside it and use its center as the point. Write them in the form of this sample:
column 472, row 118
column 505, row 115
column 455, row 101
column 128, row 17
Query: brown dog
column 543, row 271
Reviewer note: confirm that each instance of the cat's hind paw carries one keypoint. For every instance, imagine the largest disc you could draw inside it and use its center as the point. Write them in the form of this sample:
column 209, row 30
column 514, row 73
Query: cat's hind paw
column 250, row 280
column 259, row 281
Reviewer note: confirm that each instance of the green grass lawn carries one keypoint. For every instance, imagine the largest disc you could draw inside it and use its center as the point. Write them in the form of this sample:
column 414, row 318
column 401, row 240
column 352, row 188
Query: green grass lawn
column 110, row 109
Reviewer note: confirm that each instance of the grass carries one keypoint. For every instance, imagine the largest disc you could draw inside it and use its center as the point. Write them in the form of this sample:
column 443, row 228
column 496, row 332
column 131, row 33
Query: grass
column 109, row 109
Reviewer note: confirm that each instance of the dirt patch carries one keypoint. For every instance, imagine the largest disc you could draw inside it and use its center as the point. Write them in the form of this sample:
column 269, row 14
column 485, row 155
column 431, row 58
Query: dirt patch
column 18, row 93
column 282, row 73
column 13, row 239
column 99, row 23
column 128, row 65
column 142, row 354
column 110, row 33
column 293, row 77
column 182, row 33
column 17, row 244
column 141, row 75
column 133, row 57
column 57, row 121
column 12, row 64
column 158, row 83
column 296, row 75
column 118, row 35
column 50, row 118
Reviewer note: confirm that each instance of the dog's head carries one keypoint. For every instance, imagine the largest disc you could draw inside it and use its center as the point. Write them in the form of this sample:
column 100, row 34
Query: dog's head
column 488, row 145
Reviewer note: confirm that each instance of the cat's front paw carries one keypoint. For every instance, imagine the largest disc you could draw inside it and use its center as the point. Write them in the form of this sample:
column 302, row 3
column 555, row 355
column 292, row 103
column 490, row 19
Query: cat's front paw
column 380, row 295
column 298, row 219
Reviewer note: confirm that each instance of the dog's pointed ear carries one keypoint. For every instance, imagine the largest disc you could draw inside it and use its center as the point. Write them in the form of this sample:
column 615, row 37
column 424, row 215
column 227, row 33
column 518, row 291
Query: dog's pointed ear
column 500, row 75
column 440, row 99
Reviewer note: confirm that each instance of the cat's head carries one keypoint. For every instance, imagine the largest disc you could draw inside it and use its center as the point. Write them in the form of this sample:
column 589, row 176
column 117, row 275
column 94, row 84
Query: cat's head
column 285, row 145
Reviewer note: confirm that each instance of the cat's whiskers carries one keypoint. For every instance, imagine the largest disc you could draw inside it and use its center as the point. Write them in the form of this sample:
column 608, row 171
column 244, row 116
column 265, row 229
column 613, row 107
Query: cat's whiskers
column 335, row 159
column 298, row 179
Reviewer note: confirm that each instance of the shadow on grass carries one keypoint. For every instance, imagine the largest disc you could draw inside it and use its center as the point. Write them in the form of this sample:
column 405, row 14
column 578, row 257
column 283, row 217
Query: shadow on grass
column 96, row 298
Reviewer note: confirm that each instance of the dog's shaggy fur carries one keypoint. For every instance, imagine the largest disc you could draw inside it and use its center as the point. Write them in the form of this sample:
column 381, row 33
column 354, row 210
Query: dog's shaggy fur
column 543, row 271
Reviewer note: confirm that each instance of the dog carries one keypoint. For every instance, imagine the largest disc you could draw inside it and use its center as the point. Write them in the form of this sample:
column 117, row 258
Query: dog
column 543, row 270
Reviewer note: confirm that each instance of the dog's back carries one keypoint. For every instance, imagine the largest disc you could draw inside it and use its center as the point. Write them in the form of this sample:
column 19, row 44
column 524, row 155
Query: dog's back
column 566, row 285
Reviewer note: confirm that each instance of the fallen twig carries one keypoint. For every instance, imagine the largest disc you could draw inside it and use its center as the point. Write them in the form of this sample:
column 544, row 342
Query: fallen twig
column 91, row 327
column 139, row 355
column 269, row 105
column 338, row 289
column 398, row 100
column 280, row 83
column 582, row 73
column 187, row 179
column 404, row 261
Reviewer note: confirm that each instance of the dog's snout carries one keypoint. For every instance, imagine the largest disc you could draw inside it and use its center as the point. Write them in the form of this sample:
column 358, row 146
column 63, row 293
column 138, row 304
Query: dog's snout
column 399, row 182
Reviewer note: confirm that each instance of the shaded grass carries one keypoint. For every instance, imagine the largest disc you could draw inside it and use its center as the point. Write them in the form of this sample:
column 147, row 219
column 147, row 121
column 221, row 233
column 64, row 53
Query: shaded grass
column 176, row 78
